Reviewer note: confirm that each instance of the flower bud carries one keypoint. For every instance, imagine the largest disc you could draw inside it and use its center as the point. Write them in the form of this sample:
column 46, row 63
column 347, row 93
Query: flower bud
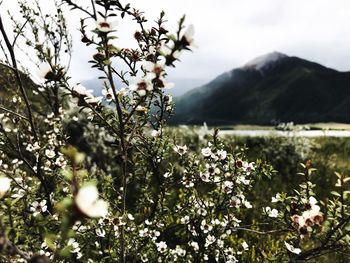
column 84, row 39
column 99, row 57
column 138, row 36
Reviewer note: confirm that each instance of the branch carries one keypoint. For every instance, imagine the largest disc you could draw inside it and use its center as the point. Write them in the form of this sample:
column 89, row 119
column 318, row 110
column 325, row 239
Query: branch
column 18, row 34
column 75, row 6
column 18, row 77
column 261, row 232
column 14, row 113
column 6, row 243
column 17, row 250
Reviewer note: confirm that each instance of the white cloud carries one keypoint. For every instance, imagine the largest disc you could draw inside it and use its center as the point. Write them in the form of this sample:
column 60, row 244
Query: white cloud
column 231, row 32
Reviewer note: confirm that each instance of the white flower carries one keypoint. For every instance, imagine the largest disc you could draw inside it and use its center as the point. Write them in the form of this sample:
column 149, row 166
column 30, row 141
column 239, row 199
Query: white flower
column 108, row 94
column 185, row 220
column 209, row 240
column 276, row 199
column 292, row 249
column 141, row 109
column 313, row 216
column 100, row 232
column 188, row 35
column 201, row 211
column 61, row 162
column 206, row 152
column 179, row 251
column 227, row 187
column 222, row 154
column 82, row 90
column 299, row 220
column 247, row 204
column 163, row 84
column 309, row 217
column 167, row 174
column 144, row 258
column 212, row 169
column 5, row 184
column 131, row 217
column 152, row 50
column 93, row 100
column 155, row 133
column 187, row 182
column 43, row 250
column 156, row 71
column 85, row 93
column 181, row 150
column 153, row 69
column 122, row 92
column 143, row 232
column 36, row 146
column 245, row 245
column 220, row 243
column 205, row 176
column 168, row 99
column 44, row 71
column 312, row 201
column 248, row 167
column 74, row 247
column 37, row 207
column 20, row 193
column 162, row 246
column 88, row 203
column 206, row 227
column 194, row 245
column 30, row 148
column 141, row 86
column 166, row 49
column 242, row 180
column 106, row 24
column 50, row 153
column 271, row 212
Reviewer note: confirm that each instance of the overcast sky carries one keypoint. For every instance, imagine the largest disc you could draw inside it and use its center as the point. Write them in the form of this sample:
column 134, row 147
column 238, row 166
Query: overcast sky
column 229, row 33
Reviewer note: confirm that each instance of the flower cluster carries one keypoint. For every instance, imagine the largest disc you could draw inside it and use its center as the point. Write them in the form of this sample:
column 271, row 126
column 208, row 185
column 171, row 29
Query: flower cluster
column 311, row 217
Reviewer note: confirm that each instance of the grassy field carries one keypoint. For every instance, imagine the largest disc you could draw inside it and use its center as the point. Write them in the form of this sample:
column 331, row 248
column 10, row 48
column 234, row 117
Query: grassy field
column 327, row 154
column 313, row 126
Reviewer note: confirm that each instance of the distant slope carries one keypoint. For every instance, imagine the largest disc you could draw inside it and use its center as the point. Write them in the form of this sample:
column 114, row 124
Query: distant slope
column 182, row 85
column 9, row 88
column 274, row 87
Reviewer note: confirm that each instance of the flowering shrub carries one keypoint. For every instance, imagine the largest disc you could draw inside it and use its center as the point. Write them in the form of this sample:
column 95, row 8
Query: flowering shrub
column 100, row 179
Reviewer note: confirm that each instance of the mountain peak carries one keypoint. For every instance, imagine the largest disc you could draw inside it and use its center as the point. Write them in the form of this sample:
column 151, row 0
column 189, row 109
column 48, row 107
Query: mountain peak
column 269, row 88
column 265, row 61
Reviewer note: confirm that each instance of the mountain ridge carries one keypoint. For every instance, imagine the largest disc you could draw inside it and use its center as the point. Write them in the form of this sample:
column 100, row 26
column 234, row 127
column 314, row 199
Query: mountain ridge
column 277, row 91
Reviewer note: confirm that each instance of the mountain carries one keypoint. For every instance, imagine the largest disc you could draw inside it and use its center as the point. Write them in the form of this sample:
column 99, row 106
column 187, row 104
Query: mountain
column 271, row 88
column 8, row 84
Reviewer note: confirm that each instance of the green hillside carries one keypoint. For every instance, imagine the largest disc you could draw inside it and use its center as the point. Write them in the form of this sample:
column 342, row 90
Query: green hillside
column 289, row 89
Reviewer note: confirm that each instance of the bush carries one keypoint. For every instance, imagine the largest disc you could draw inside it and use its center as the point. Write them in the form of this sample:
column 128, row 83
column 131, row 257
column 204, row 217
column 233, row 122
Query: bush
column 100, row 179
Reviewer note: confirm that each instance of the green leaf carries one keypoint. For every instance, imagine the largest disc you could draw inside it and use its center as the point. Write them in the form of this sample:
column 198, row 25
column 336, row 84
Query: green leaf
column 335, row 193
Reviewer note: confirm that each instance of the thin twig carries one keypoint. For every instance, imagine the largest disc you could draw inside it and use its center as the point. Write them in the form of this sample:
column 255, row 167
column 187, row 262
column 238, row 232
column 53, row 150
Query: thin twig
column 19, row 33
column 260, row 232
column 14, row 113
column 18, row 77
column 19, row 252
